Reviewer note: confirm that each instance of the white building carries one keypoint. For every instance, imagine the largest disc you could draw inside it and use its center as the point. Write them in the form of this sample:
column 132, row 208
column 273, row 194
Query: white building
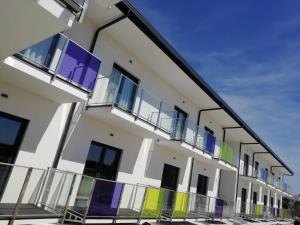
column 92, row 88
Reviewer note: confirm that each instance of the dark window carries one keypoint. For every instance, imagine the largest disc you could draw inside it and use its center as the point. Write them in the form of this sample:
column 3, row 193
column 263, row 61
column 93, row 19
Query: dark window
column 272, row 201
column 246, row 164
column 256, row 168
column 278, row 203
column 102, row 161
column 170, row 177
column 202, row 184
column 12, row 130
column 254, row 197
column 243, row 200
column 265, row 200
column 179, row 123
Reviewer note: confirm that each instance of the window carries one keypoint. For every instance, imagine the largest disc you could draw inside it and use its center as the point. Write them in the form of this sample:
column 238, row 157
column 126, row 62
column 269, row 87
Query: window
column 246, row 164
column 12, row 130
column 265, row 200
column 121, row 89
column 179, row 123
column 254, row 197
column 102, row 161
column 209, row 140
column 256, row 168
column 243, row 200
column 170, row 177
column 202, row 184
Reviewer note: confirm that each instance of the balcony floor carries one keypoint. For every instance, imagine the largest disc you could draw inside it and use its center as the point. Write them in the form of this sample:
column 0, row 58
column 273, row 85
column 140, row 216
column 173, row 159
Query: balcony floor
column 188, row 150
column 25, row 76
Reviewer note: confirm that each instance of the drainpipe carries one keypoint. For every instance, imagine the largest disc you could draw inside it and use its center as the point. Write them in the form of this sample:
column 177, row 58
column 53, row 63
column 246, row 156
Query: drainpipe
column 64, row 135
column 96, row 34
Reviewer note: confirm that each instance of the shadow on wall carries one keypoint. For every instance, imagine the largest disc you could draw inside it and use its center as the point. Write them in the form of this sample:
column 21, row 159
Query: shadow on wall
column 88, row 130
column 43, row 116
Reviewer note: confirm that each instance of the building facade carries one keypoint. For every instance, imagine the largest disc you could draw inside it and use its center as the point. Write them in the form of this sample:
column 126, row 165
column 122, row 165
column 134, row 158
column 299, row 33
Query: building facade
column 102, row 120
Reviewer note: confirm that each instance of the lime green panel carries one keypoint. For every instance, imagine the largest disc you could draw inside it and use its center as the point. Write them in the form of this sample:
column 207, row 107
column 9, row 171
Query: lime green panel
column 223, row 151
column 258, row 211
column 153, row 203
column 230, row 156
column 181, row 205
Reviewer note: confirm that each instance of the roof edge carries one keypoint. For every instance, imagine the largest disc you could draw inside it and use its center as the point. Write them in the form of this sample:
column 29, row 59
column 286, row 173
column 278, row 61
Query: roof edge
column 141, row 22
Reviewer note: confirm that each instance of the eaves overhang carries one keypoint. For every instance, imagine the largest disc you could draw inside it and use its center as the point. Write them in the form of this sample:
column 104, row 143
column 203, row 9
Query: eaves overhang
column 142, row 23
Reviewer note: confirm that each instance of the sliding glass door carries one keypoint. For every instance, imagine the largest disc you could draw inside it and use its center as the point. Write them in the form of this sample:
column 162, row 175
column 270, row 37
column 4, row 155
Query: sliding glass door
column 12, row 130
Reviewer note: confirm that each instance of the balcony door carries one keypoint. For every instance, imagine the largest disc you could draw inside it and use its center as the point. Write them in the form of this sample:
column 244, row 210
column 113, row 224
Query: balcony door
column 121, row 89
column 243, row 200
column 179, row 123
column 202, row 184
column 12, row 130
column 169, row 182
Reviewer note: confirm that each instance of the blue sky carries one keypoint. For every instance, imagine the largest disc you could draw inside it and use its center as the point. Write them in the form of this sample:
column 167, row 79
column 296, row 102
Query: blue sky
column 249, row 52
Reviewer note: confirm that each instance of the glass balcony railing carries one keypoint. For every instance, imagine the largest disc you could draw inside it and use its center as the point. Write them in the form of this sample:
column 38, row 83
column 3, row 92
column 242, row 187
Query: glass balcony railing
column 227, row 154
column 287, row 188
column 121, row 92
column 64, row 59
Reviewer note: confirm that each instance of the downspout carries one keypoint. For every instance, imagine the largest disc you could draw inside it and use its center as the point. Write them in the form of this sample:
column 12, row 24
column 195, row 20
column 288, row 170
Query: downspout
column 64, row 135
column 238, row 178
column 96, row 34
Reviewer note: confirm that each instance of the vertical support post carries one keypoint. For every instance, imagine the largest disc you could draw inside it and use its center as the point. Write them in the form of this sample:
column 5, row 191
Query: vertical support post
column 68, row 198
column 143, row 205
column 158, row 115
column 42, row 187
column 21, row 195
column 89, row 201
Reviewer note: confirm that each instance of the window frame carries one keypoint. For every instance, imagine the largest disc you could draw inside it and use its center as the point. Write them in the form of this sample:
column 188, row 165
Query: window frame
column 105, row 146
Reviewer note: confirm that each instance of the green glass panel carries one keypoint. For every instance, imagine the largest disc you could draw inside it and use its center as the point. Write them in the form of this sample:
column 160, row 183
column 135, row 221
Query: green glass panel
column 257, row 211
column 230, row 156
column 181, row 205
column 153, row 203
column 223, row 151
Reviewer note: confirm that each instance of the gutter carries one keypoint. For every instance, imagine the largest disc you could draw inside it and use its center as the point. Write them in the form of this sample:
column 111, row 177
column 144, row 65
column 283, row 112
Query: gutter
column 136, row 18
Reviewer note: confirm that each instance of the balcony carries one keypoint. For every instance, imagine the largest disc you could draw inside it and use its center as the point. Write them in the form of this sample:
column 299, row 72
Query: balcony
column 226, row 154
column 126, row 104
column 56, row 67
column 287, row 188
column 28, row 17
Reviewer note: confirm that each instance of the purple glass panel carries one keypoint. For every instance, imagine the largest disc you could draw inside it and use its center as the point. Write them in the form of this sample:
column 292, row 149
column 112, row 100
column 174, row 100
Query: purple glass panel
column 105, row 199
column 219, row 208
column 210, row 142
column 79, row 66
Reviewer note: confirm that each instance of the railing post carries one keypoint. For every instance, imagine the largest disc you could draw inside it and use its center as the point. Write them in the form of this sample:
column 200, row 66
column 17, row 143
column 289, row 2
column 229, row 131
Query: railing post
column 63, row 52
column 159, row 112
column 21, row 195
column 89, row 201
column 68, row 199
